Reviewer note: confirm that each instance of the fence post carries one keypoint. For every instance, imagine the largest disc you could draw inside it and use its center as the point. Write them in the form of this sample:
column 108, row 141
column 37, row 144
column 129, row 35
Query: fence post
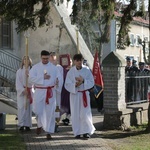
column 114, row 90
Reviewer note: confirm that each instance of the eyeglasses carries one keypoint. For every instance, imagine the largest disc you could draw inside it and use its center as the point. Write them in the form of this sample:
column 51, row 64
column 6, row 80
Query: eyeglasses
column 45, row 58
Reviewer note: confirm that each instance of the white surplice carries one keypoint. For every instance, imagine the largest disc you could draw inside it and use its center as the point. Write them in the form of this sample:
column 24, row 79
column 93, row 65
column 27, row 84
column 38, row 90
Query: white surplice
column 23, row 105
column 45, row 112
column 81, row 116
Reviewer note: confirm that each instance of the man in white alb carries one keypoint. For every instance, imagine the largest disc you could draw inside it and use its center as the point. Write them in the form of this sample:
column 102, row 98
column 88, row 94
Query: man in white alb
column 45, row 76
column 78, row 81
column 53, row 60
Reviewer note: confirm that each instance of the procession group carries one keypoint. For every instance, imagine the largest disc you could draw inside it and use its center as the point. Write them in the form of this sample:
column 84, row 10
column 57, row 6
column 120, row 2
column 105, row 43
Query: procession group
column 46, row 85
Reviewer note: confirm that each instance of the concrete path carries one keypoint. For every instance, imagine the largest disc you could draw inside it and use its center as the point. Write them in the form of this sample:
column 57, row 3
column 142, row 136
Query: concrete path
column 64, row 139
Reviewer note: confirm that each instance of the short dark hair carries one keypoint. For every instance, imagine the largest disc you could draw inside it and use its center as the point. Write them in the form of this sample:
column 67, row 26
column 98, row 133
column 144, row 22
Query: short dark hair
column 77, row 57
column 44, row 52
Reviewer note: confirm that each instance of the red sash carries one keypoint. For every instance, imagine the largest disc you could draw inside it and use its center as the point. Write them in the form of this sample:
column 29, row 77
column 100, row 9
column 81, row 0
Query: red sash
column 29, row 94
column 84, row 97
column 49, row 93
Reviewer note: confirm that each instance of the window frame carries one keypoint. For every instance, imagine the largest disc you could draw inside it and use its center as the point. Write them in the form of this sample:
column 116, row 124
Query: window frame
column 132, row 41
column 137, row 37
column 5, row 34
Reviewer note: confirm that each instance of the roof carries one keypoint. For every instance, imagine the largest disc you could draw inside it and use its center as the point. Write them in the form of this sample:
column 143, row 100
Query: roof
column 136, row 19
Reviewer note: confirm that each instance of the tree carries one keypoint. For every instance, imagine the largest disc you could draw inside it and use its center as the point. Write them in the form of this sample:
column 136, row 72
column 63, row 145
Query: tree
column 86, row 13
column 24, row 13
column 27, row 15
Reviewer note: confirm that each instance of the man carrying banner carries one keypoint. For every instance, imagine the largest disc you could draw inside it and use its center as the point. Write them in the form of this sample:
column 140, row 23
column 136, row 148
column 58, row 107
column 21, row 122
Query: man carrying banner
column 98, row 87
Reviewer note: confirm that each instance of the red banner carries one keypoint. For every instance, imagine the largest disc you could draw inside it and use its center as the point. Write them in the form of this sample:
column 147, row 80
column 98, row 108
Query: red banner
column 98, row 88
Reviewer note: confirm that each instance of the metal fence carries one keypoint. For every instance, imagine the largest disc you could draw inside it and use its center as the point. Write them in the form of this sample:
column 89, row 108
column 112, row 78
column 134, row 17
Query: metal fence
column 137, row 86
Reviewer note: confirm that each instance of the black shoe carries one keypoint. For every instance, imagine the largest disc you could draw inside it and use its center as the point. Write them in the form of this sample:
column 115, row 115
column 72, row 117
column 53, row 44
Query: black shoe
column 38, row 130
column 28, row 129
column 66, row 121
column 48, row 137
column 77, row 137
column 21, row 129
column 87, row 136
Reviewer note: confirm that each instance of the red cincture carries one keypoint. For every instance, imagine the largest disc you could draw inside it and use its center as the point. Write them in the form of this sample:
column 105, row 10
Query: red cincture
column 84, row 98
column 49, row 93
column 29, row 95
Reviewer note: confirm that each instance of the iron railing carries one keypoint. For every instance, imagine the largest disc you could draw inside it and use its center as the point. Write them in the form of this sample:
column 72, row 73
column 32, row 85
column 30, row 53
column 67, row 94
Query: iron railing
column 9, row 64
column 137, row 85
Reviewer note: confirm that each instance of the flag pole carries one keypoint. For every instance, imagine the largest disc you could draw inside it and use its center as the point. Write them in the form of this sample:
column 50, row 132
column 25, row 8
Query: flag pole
column 77, row 36
column 26, row 34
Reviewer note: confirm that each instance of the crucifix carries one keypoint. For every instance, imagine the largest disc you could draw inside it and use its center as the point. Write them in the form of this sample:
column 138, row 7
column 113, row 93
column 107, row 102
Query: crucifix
column 60, row 26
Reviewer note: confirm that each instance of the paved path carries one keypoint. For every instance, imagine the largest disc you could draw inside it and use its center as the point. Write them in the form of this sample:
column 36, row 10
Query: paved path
column 64, row 139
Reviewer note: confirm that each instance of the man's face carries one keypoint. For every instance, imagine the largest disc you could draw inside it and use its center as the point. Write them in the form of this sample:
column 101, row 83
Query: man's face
column 129, row 63
column 53, row 59
column 78, row 63
column 45, row 59
column 141, row 67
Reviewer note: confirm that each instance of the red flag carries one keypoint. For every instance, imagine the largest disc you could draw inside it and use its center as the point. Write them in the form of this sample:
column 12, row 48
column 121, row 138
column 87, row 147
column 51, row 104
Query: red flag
column 98, row 88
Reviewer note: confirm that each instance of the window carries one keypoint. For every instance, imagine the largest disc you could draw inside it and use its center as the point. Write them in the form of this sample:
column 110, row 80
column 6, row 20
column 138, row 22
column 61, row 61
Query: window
column 145, row 38
column 146, row 44
column 137, row 40
column 132, row 41
column 138, row 59
column 132, row 57
column 5, row 34
column 146, row 50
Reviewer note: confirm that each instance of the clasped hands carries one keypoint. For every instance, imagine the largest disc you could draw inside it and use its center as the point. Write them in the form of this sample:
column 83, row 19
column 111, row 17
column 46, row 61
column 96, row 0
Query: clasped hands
column 46, row 76
column 79, row 81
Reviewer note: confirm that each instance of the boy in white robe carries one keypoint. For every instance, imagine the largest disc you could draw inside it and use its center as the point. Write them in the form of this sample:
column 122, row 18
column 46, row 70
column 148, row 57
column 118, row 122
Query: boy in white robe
column 78, row 81
column 45, row 76
column 53, row 60
column 24, row 96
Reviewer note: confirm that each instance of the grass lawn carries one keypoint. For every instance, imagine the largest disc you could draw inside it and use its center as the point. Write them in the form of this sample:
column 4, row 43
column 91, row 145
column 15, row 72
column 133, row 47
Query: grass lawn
column 10, row 138
column 136, row 139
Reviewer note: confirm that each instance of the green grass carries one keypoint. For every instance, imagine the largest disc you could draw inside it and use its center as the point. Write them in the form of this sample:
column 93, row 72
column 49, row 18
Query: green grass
column 136, row 139
column 11, row 140
column 139, row 142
